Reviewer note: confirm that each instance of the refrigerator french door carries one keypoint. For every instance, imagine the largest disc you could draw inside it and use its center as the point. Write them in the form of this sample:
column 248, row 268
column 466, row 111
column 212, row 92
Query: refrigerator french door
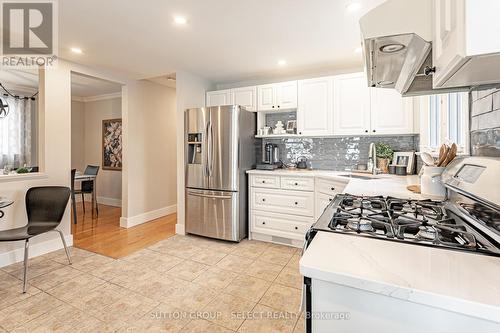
column 219, row 149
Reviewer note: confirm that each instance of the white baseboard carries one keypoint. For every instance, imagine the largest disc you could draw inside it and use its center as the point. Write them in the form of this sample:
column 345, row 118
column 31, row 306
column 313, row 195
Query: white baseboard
column 35, row 250
column 128, row 222
column 102, row 200
column 180, row 229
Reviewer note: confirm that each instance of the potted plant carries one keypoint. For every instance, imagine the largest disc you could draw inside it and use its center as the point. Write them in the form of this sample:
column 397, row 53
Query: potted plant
column 384, row 156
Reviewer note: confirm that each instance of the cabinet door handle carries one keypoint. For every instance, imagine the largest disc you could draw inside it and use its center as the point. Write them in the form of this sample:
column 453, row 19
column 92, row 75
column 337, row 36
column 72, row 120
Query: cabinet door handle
column 263, row 222
column 330, row 199
column 263, row 182
column 296, row 203
column 333, row 188
column 273, row 106
column 296, row 184
column 263, row 199
column 374, row 131
column 278, row 106
column 296, row 228
column 366, row 131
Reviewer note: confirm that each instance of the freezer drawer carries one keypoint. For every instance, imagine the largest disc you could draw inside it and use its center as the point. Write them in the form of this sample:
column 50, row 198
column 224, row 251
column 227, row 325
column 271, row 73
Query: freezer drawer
column 213, row 214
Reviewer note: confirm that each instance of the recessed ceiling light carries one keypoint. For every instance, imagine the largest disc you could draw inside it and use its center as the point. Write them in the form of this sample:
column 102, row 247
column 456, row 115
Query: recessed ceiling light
column 180, row 20
column 76, row 50
column 353, row 6
column 281, row 62
column 358, row 50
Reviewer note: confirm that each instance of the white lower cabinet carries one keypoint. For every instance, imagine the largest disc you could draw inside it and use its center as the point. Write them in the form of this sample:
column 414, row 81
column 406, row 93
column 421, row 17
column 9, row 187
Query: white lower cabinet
column 283, row 208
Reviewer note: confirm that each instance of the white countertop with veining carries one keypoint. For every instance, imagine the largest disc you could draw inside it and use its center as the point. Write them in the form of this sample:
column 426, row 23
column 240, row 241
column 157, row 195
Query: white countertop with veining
column 382, row 184
column 456, row 281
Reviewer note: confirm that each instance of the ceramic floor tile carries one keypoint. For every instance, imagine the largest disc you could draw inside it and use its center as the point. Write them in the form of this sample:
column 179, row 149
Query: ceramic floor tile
column 267, row 320
column 283, row 248
column 187, row 270
column 96, row 299
column 163, row 318
column 215, row 278
column 76, row 255
column 7, row 280
column 27, row 310
column 54, row 278
column 119, row 268
column 37, row 269
column 250, row 249
column 92, row 263
column 14, row 294
column 264, row 270
column 19, row 265
column 204, row 326
column 282, row 298
column 276, row 257
column 156, row 286
column 207, row 256
column 153, row 260
column 223, row 246
column 76, row 287
column 234, row 263
column 248, row 287
column 300, row 326
column 294, row 262
column 192, row 297
column 290, row 277
column 126, row 311
column 229, row 311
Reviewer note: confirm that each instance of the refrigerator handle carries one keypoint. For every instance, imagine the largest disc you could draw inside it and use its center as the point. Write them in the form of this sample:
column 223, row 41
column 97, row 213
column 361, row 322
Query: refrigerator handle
column 210, row 140
column 205, row 150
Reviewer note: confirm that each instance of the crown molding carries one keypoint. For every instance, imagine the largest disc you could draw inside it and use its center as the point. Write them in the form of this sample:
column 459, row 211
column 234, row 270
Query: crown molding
column 96, row 97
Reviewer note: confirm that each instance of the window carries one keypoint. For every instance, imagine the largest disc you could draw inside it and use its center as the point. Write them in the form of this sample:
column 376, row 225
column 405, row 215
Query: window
column 18, row 133
column 444, row 119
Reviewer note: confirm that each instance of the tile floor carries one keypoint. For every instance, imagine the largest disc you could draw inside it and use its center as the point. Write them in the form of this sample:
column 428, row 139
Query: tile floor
column 180, row 284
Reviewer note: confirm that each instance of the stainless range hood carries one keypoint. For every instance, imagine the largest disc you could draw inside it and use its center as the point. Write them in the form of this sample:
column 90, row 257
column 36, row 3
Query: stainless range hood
column 397, row 48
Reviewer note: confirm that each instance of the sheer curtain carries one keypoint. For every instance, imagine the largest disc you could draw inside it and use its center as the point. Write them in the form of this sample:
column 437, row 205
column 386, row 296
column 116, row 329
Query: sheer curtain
column 15, row 133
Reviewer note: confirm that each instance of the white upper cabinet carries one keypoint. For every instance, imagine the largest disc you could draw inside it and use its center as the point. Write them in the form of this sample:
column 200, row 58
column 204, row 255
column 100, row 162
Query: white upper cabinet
column 246, row 97
column 219, row 97
column 466, row 47
column 390, row 112
column 277, row 96
column 315, row 108
column 351, row 100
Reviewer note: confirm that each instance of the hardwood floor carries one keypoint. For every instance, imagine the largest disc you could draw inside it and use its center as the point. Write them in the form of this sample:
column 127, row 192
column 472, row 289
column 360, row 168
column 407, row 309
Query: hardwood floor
column 104, row 235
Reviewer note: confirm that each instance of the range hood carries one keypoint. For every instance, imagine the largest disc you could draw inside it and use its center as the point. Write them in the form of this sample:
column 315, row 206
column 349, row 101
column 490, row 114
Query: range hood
column 397, row 47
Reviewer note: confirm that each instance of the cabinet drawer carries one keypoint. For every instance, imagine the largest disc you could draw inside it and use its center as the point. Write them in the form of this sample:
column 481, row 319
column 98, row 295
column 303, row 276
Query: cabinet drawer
column 267, row 181
column 328, row 186
column 277, row 224
column 281, row 201
column 297, row 183
column 321, row 202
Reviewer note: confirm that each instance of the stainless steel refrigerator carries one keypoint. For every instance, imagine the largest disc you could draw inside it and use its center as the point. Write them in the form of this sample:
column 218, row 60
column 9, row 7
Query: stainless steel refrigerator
column 220, row 148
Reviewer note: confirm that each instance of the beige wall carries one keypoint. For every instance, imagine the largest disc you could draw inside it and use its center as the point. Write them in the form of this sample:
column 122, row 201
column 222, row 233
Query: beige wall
column 153, row 147
column 86, row 139
column 190, row 94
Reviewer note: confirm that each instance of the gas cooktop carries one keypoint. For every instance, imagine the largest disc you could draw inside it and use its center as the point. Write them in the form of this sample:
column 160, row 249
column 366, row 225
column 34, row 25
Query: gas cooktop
column 420, row 222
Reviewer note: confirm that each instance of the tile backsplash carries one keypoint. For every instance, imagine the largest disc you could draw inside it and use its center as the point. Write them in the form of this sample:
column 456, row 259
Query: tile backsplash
column 485, row 122
column 336, row 153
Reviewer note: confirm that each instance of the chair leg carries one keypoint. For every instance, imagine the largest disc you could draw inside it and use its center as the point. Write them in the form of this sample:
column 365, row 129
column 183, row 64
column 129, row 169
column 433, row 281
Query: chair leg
column 65, row 247
column 26, row 254
column 83, row 203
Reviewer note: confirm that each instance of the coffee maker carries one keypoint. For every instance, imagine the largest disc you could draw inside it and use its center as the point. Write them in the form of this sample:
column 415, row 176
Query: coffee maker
column 271, row 157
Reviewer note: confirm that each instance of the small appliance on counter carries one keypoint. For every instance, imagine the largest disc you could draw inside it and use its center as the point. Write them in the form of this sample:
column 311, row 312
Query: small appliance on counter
column 271, row 158
column 302, row 163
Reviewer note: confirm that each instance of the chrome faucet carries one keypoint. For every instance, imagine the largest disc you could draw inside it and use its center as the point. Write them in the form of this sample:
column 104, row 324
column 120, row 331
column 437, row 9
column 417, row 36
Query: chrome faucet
column 372, row 159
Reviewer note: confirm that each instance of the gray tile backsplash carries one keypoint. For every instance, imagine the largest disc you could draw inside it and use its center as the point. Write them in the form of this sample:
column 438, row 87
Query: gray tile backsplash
column 336, row 153
column 485, row 122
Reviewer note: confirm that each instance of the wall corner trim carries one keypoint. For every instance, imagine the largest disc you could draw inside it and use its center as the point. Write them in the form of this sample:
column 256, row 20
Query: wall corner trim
column 180, row 229
column 129, row 222
column 36, row 249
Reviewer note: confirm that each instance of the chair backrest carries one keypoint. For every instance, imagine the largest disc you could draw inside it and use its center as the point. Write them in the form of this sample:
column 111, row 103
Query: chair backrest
column 46, row 204
column 91, row 170
column 73, row 174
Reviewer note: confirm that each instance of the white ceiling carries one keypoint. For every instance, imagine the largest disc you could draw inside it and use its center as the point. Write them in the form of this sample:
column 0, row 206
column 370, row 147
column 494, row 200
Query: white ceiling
column 86, row 86
column 224, row 40
column 26, row 81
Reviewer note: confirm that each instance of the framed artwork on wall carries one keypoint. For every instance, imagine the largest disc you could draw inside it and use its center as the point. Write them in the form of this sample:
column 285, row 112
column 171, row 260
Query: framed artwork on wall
column 112, row 144
column 405, row 158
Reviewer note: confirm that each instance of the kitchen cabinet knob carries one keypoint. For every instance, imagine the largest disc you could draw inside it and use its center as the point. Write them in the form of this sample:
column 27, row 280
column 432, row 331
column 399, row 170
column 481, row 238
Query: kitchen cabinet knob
column 263, row 222
column 296, row 203
column 273, row 106
column 374, row 131
column 263, row 200
column 263, row 182
column 366, row 131
column 296, row 228
column 330, row 199
column 278, row 106
column 296, row 184
column 300, row 133
column 333, row 189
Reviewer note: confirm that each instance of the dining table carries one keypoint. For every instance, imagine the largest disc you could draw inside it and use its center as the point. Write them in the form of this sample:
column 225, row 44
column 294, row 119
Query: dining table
column 4, row 203
column 80, row 177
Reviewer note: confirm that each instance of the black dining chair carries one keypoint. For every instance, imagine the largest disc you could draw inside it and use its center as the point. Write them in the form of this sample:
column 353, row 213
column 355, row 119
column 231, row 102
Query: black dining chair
column 45, row 208
column 88, row 187
column 73, row 199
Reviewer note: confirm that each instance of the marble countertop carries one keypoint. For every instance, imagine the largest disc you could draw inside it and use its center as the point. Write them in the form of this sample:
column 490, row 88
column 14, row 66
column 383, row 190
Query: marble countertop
column 382, row 184
column 455, row 281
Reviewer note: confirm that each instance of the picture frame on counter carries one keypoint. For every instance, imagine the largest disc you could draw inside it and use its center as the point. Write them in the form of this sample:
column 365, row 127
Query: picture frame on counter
column 406, row 158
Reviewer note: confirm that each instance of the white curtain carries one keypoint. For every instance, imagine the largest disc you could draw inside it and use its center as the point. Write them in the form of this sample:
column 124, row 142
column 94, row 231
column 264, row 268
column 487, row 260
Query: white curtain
column 15, row 133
